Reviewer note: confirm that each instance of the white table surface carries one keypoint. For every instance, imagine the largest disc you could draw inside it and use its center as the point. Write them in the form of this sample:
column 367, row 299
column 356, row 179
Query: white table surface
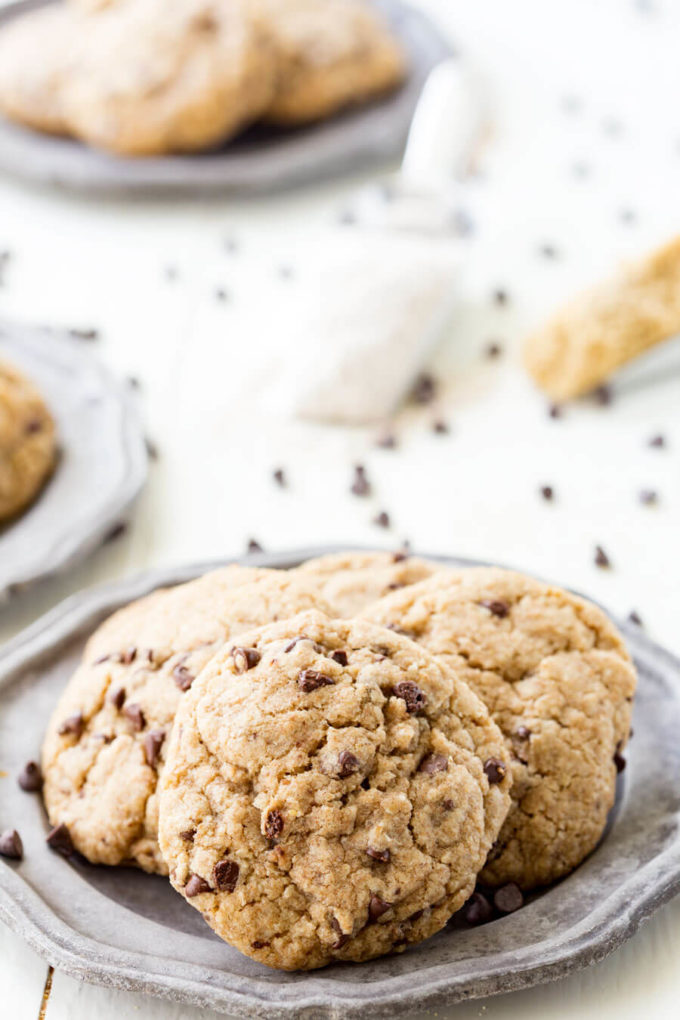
column 585, row 158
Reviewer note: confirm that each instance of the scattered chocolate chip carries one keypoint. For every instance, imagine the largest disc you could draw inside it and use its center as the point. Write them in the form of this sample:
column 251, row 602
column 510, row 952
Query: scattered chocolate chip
column 182, row 677
column 273, row 826
column 648, row 497
column 386, row 441
column 619, row 761
column 424, row 389
column 440, row 427
column 493, row 350
column 188, row 835
column 411, row 694
column 59, row 839
column 11, row 845
column 221, row 295
column 548, row 493
column 601, row 558
column 658, row 442
column 635, row 618
column 477, row 910
column 548, row 251
column 117, row 531
column 245, row 659
column 117, row 698
column 254, row 546
column 30, row 779
column 378, row 855
column 279, row 477
column 554, row 410
column 153, row 742
column 348, row 764
column 508, row 898
column 195, row 886
column 360, row 485
column 225, row 874
column 603, row 395
column 311, row 679
column 84, row 334
column 377, row 907
column 134, row 713
column 339, row 656
column 434, row 763
column 496, row 606
column 382, row 520
column 343, row 937
column 285, row 272
column 522, row 733
column 500, row 296
column 495, row 770
column 74, row 725
column 151, row 449
column 133, row 382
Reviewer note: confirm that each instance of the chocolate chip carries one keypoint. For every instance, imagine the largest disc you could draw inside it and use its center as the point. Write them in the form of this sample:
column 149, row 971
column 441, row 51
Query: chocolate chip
column 508, row 898
column 254, row 546
column 259, row 945
column 378, row 855
column 440, row 427
column 603, row 395
column 59, row 839
column 500, row 296
column 245, row 659
column 448, row 804
column 74, row 725
column 477, row 910
column 30, row 779
column 548, row 493
column 117, row 698
column 339, row 656
column 554, row 410
column 225, row 874
column 548, row 251
column 619, row 761
column 195, row 886
column 495, row 770
column 11, row 845
column 117, row 531
column 33, row 426
column 377, row 907
column 311, row 679
column 424, row 389
column 221, row 295
column 182, row 677
column 493, row 350
column 133, row 382
column 411, row 694
column 151, row 449
column 434, row 763
column 128, row 656
column 343, row 939
column 386, row 441
column 648, row 497
column 134, row 713
column 635, row 618
column 303, row 637
column 382, row 520
column 273, row 826
column 348, row 764
column 522, row 733
column 601, row 558
column 497, row 607
column 153, row 742
column 658, row 442
column 84, row 334
column 360, row 485
column 279, row 477
column 188, row 835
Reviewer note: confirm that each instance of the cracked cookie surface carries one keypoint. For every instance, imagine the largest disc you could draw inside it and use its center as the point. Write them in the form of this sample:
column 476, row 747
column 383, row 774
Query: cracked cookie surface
column 331, row 792
column 27, row 442
column 557, row 678
column 350, row 581
column 106, row 742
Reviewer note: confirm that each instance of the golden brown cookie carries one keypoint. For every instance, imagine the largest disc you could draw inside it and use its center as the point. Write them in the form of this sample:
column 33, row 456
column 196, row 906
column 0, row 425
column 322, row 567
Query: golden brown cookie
column 27, row 442
column 350, row 581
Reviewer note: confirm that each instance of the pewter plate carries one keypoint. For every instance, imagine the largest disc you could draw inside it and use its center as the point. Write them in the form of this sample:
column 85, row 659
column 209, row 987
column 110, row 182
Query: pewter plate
column 262, row 160
column 130, row 930
column 102, row 464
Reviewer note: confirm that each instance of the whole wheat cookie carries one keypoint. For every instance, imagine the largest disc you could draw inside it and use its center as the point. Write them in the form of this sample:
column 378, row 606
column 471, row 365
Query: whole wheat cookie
column 331, row 792
column 557, row 679
column 350, row 581
column 332, row 54
column 27, row 442
column 106, row 742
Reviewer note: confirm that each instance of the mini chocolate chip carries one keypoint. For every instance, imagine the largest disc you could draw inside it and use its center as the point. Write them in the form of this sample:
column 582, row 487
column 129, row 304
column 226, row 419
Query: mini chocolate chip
column 128, row 656
column 434, row 763
column 402, row 554
column 84, row 334
column 279, row 477
column 448, row 804
column 360, row 485
column 658, row 441
column 30, row 779
column 221, row 294
column 378, row 855
column 498, row 607
column 153, row 742
column 195, row 886
column 245, row 659
column 619, row 761
column 648, row 497
column 117, row 531
column 11, row 845
column 493, row 350
column 424, row 389
column 343, row 939
column 151, row 449
column 548, row 493
column 500, row 296
column 273, row 826
column 508, row 898
column 181, row 675
column 386, row 441
column 254, row 546
column 188, row 835
column 311, row 679
column 225, row 874
column 554, row 411
column 603, row 395
column 411, row 694
column 259, row 945
column 303, row 637
column 117, row 697
column 33, row 426
column 495, row 770
column 601, row 558
column 339, row 656
column 477, row 910
column 440, row 427
column 134, row 713
column 635, row 618
column 522, row 733
column 377, row 907
column 548, row 251
column 382, row 520
column 59, row 839
column 73, row 725
column 348, row 763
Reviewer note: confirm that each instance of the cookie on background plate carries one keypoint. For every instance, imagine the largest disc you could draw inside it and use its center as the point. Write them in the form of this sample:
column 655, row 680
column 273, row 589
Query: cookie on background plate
column 106, row 742
column 350, row 581
column 331, row 792
column 559, row 682
column 28, row 450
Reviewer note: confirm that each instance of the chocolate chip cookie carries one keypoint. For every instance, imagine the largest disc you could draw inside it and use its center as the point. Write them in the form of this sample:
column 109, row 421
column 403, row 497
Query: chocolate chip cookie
column 27, row 442
column 331, row 791
column 557, row 679
column 350, row 581
column 107, row 739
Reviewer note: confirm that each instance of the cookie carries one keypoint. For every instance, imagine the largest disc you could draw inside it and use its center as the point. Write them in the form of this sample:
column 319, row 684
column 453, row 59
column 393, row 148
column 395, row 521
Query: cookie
column 332, row 54
column 107, row 739
column 608, row 326
column 350, row 581
column 557, row 679
column 331, row 792
column 27, row 442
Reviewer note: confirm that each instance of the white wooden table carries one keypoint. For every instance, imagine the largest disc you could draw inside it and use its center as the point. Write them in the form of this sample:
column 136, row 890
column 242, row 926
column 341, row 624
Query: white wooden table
column 586, row 161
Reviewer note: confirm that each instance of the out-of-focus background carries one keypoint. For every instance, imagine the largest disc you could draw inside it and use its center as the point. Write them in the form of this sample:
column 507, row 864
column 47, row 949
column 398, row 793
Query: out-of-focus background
column 581, row 173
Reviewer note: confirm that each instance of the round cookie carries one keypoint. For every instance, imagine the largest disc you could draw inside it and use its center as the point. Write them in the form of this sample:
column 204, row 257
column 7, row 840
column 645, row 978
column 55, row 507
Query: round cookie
column 331, row 792
column 106, row 742
column 350, row 581
column 557, row 679
column 332, row 54
column 27, row 442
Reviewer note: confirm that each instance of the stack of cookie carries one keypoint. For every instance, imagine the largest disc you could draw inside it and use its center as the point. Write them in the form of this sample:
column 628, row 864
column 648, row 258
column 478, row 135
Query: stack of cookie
column 145, row 77
column 328, row 760
column 28, row 450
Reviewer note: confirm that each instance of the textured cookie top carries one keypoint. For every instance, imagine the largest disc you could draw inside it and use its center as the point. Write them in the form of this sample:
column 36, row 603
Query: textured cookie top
column 556, row 677
column 350, row 581
column 106, row 742
column 27, row 441
column 331, row 792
